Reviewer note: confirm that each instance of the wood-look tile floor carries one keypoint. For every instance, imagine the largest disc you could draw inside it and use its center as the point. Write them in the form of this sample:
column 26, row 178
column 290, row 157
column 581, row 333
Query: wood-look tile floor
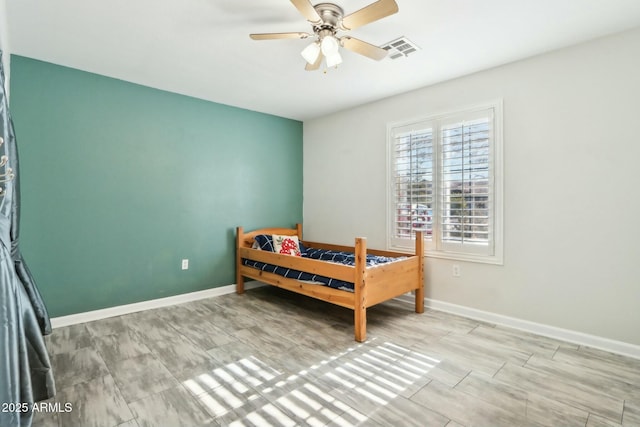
column 273, row 358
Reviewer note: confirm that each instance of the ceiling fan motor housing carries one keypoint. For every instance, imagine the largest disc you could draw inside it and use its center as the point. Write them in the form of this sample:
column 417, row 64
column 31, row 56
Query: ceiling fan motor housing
column 331, row 16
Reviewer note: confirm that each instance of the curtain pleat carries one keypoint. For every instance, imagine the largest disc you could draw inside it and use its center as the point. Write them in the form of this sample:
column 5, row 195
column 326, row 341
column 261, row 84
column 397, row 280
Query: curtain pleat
column 26, row 376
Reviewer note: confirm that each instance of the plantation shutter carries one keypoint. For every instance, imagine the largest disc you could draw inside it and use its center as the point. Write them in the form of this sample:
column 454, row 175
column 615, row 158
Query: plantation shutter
column 412, row 176
column 445, row 175
column 466, row 182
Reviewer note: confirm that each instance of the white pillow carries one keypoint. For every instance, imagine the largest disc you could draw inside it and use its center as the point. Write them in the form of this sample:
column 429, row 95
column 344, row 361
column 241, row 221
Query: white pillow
column 288, row 245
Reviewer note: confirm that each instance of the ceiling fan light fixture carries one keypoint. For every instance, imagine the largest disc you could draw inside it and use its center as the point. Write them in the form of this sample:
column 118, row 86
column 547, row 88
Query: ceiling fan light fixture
column 334, row 59
column 311, row 52
column 329, row 45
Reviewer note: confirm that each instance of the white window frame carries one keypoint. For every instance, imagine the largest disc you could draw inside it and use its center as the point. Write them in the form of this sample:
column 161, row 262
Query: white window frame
column 435, row 247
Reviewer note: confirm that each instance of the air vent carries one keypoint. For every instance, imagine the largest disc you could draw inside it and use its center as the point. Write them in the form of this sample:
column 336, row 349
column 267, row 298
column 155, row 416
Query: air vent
column 400, row 48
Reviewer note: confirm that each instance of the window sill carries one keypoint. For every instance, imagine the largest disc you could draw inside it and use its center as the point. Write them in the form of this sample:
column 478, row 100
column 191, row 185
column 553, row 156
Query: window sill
column 454, row 256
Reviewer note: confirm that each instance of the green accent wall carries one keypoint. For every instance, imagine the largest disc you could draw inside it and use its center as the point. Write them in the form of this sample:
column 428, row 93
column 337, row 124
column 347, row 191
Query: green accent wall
column 120, row 182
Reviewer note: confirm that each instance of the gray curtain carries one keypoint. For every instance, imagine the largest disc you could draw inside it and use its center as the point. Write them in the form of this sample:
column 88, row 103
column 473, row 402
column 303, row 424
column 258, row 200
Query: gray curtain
column 25, row 370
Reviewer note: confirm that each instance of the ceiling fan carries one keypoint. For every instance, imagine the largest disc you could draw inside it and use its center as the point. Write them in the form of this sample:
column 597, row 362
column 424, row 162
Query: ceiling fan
column 326, row 20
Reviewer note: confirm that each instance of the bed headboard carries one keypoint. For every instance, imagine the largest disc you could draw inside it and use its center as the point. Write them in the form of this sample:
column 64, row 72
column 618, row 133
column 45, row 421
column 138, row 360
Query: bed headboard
column 245, row 240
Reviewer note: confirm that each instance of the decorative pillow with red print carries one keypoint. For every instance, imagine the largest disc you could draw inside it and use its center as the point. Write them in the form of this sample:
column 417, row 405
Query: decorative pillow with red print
column 288, row 245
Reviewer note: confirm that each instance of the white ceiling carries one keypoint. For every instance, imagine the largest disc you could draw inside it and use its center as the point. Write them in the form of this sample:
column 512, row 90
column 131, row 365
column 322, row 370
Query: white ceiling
column 202, row 48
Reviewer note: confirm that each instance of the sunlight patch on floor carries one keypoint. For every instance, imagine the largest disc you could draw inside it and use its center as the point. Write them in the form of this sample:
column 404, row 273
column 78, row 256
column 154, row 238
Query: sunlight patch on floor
column 375, row 372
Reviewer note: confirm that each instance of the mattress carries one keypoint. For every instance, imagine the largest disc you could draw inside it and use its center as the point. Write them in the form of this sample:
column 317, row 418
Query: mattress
column 339, row 257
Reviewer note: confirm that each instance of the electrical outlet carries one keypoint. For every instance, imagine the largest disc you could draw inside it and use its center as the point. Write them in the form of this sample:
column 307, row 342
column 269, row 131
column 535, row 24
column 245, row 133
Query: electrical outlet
column 185, row 264
column 456, row 270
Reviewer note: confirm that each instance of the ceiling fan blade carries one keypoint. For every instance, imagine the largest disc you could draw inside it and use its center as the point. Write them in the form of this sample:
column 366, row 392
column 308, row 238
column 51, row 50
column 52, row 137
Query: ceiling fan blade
column 363, row 48
column 273, row 36
column 307, row 10
column 371, row 13
column 315, row 65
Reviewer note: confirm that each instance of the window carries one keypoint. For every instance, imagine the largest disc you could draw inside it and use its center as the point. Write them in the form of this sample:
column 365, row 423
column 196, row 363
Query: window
column 445, row 180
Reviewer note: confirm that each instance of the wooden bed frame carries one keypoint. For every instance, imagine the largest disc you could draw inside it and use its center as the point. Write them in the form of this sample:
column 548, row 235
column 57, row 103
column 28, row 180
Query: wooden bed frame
column 372, row 284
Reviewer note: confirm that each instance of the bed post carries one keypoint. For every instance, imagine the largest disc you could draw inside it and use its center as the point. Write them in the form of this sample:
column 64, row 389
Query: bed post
column 239, row 278
column 359, row 288
column 299, row 231
column 420, row 289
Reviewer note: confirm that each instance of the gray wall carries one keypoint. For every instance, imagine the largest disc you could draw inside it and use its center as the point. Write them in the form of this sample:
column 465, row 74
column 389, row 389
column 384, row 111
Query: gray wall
column 571, row 152
column 4, row 40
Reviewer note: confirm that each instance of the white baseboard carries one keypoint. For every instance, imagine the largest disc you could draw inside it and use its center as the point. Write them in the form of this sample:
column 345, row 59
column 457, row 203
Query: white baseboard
column 89, row 316
column 575, row 337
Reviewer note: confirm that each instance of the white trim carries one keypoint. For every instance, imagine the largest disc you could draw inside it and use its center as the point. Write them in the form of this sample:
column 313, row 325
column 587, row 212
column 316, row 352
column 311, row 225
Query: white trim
column 575, row 337
column 89, row 316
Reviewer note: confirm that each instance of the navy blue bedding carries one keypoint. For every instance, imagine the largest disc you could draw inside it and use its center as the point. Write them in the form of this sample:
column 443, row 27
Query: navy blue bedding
column 345, row 258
